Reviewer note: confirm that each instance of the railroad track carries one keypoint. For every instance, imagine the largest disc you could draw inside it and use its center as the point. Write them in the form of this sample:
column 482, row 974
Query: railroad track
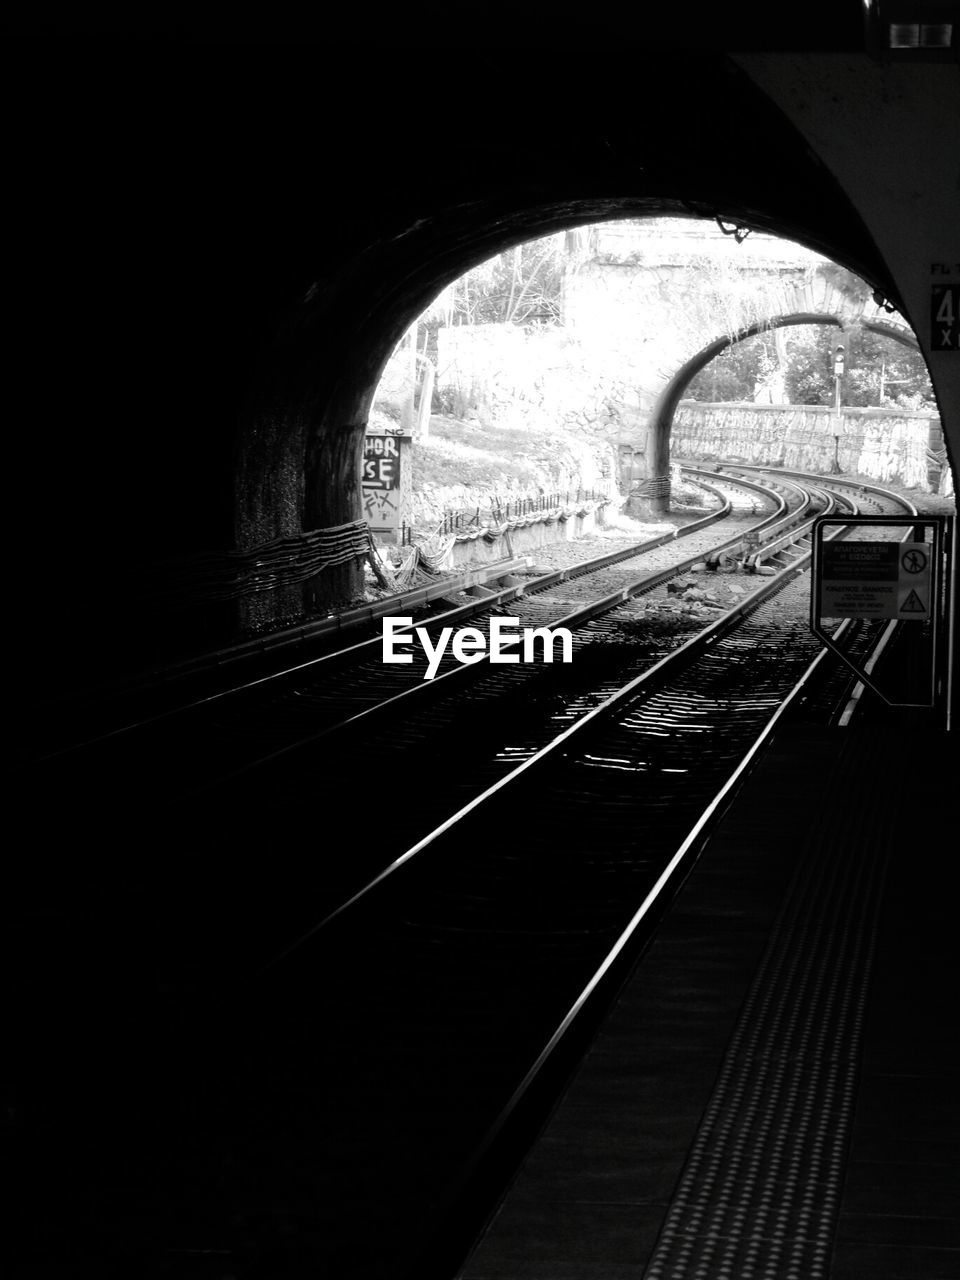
column 528, row 740
column 260, row 730
column 299, row 701
column 457, row 972
column 171, row 692
column 469, row 966
column 340, row 716
column 472, row 737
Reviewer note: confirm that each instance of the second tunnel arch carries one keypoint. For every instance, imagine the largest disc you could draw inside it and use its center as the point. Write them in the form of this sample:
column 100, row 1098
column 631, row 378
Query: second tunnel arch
column 653, row 493
column 640, row 309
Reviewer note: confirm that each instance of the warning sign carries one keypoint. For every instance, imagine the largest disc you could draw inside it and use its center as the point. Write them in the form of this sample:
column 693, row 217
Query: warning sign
column 885, row 579
column 914, row 560
column 875, row 580
column 913, row 587
column 859, row 580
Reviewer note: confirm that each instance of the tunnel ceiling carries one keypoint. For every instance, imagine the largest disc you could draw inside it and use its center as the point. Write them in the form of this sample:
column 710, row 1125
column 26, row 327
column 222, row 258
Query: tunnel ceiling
column 261, row 141
column 696, row 24
column 416, row 202
column 262, row 219
column 288, row 200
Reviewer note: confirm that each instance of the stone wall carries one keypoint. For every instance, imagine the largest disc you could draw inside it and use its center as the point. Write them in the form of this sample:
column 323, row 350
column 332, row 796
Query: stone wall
column 547, row 378
column 543, row 378
column 886, row 445
column 648, row 300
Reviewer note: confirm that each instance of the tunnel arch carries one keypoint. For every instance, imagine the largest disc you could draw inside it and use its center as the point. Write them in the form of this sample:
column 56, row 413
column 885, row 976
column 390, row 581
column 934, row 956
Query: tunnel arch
column 300, row 431
column 301, row 440
column 661, row 418
column 245, row 248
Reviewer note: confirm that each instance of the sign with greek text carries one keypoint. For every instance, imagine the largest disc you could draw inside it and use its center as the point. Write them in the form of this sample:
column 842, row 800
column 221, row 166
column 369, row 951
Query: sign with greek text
column 875, row 580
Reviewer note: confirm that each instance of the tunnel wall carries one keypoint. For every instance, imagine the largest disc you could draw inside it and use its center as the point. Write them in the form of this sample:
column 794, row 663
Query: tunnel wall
column 890, row 133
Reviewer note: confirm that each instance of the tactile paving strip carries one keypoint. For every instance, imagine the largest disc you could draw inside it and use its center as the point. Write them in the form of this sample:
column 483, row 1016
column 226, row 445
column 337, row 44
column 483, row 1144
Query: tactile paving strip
column 759, row 1196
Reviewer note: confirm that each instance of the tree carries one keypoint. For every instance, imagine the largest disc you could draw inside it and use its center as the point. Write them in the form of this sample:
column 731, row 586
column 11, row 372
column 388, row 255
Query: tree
column 736, row 372
column 885, row 373
column 730, row 377
column 522, row 286
column 880, row 372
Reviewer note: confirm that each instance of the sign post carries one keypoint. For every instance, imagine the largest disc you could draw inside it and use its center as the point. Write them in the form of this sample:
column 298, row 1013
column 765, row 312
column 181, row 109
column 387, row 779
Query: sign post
column 882, row 578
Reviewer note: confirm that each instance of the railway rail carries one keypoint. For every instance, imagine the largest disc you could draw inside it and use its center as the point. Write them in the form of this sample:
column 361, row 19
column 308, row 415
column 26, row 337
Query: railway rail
column 173, row 691
column 497, row 939
column 296, row 705
column 269, row 722
column 459, row 951
column 528, row 739
column 339, row 721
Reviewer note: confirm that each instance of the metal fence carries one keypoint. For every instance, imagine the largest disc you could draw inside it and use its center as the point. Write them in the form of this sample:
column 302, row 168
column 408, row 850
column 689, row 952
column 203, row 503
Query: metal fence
column 501, row 510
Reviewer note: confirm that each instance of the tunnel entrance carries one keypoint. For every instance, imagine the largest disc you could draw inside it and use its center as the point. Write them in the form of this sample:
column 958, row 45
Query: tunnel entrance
column 559, row 365
column 299, row 460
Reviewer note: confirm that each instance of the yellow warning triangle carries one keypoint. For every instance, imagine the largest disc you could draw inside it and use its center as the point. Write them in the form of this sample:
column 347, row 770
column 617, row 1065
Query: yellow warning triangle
column 913, row 604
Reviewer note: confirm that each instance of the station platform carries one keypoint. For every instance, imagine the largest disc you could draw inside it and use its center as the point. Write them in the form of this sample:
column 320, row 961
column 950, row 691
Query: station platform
column 776, row 1092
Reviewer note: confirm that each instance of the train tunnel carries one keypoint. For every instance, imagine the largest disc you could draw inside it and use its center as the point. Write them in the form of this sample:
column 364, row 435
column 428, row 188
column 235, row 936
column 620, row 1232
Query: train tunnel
column 225, row 232
column 234, row 282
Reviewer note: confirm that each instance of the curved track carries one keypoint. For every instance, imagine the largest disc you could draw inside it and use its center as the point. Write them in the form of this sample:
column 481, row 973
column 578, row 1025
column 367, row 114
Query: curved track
column 467, row 969
column 296, row 702
column 423, row 977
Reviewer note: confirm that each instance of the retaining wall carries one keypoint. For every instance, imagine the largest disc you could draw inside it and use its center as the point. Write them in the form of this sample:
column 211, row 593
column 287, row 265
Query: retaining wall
column 883, row 444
